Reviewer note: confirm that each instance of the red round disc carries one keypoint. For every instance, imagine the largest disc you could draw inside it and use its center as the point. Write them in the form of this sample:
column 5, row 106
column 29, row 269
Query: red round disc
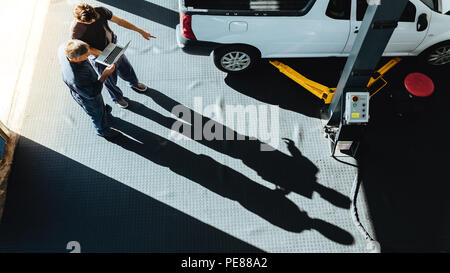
column 419, row 84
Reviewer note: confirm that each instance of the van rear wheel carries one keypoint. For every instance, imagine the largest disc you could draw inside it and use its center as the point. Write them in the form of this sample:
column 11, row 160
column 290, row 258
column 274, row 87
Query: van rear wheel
column 235, row 59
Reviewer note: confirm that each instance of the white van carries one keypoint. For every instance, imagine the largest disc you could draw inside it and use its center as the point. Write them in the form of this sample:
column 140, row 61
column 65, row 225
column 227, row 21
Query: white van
column 239, row 32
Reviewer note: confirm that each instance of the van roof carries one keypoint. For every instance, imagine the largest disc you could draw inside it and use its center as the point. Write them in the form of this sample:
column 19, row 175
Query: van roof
column 256, row 5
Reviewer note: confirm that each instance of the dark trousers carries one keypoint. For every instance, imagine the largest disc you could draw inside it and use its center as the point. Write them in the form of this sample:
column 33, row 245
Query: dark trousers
column 95, row 108
column 123, row 69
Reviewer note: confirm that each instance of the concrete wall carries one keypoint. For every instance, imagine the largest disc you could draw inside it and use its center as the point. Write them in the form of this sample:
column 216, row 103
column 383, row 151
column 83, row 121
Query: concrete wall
column 22, row 28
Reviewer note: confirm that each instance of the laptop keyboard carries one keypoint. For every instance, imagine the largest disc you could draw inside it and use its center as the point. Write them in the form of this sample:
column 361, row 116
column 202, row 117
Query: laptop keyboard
column 113, row 55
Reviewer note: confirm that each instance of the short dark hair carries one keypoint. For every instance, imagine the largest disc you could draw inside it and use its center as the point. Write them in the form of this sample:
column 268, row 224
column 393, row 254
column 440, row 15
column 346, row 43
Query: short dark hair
column 76, row 48
column 85, row 13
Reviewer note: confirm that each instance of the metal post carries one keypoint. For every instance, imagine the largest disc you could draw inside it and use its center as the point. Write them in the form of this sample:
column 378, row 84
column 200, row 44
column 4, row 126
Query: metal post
column 376, row 29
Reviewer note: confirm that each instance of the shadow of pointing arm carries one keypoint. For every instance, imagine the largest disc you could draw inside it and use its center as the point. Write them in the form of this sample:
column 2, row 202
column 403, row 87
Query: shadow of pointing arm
column 295, row 152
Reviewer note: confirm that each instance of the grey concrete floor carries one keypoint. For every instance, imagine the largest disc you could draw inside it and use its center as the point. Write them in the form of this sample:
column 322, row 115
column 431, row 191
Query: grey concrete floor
column 148, row 192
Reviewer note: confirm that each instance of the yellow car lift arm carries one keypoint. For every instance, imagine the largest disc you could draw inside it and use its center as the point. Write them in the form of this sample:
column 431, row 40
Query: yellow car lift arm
column 326, row 93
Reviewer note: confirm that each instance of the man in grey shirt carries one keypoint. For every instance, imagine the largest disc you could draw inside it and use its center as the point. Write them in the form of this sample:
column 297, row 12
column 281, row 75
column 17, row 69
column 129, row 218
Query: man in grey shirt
column 84, row 84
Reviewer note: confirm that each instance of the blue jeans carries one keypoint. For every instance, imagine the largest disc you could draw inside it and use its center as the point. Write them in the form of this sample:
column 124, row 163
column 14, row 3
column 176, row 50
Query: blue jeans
column 123, row 69
column 95, row 108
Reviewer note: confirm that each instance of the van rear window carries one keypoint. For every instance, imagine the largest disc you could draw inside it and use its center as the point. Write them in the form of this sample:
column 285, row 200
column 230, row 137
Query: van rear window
column 249, row 5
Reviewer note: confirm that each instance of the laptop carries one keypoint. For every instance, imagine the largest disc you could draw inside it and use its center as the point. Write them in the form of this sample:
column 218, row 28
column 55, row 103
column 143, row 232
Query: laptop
column 111, row 54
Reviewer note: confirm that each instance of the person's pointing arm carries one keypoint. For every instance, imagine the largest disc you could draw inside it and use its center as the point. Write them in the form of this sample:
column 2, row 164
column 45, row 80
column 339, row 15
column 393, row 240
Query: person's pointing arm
column 124, row 23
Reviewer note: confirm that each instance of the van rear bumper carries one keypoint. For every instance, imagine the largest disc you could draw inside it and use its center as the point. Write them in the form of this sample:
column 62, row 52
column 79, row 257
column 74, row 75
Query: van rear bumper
column 195, row 47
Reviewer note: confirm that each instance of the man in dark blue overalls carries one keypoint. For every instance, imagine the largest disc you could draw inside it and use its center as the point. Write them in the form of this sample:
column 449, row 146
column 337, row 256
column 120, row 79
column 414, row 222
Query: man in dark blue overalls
column 84, row 84
column 91, row 26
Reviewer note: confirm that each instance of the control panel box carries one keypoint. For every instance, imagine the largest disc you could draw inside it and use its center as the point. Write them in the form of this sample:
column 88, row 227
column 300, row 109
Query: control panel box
column 356, row 107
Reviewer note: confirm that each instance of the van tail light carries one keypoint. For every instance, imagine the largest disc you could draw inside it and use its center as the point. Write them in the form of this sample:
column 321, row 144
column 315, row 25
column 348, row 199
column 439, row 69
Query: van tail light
column 186, row 24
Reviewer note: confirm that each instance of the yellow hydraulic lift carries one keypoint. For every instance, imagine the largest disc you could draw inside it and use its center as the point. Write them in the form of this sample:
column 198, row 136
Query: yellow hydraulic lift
column 375, row 84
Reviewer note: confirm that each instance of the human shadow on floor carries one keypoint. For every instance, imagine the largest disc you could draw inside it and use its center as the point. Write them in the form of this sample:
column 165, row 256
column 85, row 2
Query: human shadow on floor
column 292, row 172
column 271, row 205
column 53, row 199
column 147, row 10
